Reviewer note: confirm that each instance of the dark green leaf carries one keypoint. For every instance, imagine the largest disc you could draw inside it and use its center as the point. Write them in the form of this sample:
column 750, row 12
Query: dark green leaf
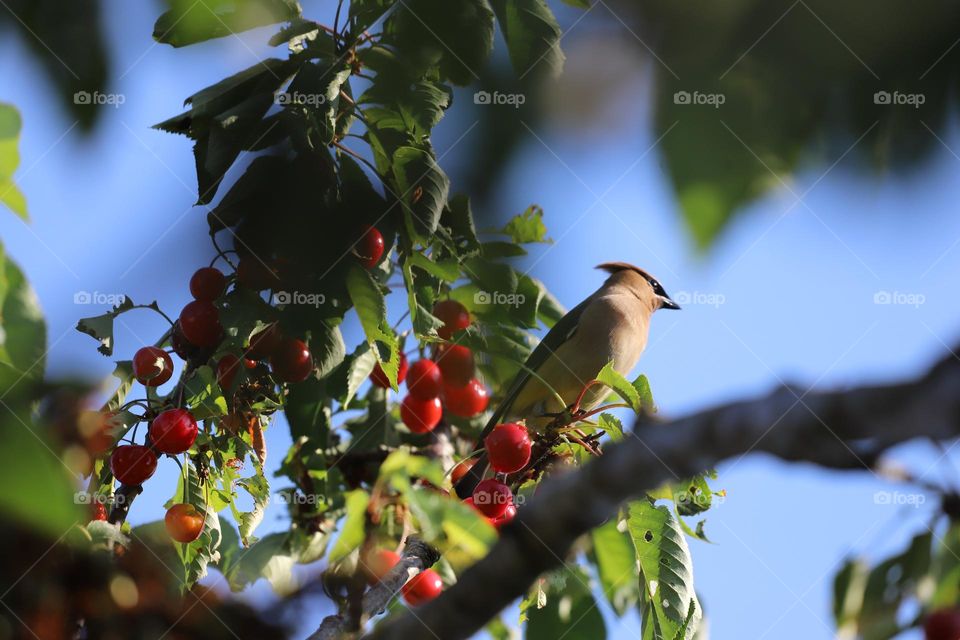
column 101, row 327
column 203, row 395
column 570, row 611
column 23, row 333
column 616, row 562
column 188, row 22
column 532, row 35
column 371, row 308
column 422, row 187
column 307, row 410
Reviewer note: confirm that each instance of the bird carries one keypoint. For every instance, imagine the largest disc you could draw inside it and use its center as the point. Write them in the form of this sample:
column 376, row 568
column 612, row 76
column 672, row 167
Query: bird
column 610, row 325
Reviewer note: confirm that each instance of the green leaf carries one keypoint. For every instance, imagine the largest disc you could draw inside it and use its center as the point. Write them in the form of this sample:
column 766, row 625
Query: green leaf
column 203, row 395
column 308, row 410
column 612, row 425
column 371, row 308
column 890, row 584
column 101, row 327
column 123, row 371
column 197, row 555
column 447, row 269
column 315, row 93
column 570, row 610
column 616, row 562
column 414, row 107
column 188, row 22
column 326, row 344
column 423, row 188
column 268, row 558
column 532, row 35
column 365, row 12
column 23, row 333
column 615, row 380
column 352, row 529
column 259, row 489
column 642, row 385
column 693, row 496
column 579, row 4
column 527, row 227
column 10, row 126
column 672, row 610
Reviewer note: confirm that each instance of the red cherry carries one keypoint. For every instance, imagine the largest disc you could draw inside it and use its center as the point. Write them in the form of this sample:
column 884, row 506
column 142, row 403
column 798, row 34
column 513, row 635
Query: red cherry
column 423, row 587
column 152, row 366
column 508, row 447
column 492, row 497
column 98, row 511
column 943, row 624
column 421, row 416
column 173, row 431
column 254, row 274
column 466, row 401
column 184, row 522
column 369, row 247
column 453, row 315
column 132, row 463
column 228, row 367
column 200, row 323
column 508, row 515
column 292, row 362
column 461, row 469
column 186, row 349
column 379, row 378
column 264, row 342
column 424, row 380
column 378, row 563
column 208, row 284
column 456, row 364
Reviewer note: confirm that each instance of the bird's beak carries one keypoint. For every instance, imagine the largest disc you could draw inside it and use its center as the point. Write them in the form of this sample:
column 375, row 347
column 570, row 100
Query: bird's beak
column 667, row 303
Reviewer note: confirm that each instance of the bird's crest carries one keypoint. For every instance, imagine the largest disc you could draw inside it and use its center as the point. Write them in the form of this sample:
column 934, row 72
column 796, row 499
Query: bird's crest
column 614, row 267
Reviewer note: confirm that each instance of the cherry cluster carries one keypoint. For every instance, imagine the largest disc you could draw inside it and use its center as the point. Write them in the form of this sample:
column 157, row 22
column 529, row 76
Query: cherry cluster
column 446, row 381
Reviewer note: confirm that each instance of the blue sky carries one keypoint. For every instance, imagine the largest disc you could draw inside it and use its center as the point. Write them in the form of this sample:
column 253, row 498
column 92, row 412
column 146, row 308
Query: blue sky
column 786, row 294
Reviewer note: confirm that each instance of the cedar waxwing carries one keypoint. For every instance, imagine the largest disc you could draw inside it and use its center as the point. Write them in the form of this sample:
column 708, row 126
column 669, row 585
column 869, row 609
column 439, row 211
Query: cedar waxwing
column 609, row 326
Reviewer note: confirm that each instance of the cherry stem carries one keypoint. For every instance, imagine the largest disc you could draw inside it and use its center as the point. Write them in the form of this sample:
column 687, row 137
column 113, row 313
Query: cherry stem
column 221, row 253
column 583, row 392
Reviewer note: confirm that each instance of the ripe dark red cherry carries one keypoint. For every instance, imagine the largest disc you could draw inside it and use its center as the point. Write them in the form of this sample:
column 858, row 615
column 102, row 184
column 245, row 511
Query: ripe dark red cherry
column 173, row 431
column 423, row 587
column 453, row 315
column 132, row 463
column 379, row 377
column 424, row 380
column 943, row 624
column 467, row 401
column 292, row 362
column 508, row 447
column 184, row 522
column 492, row 497
column 152, row 366
column 186, row 349
column 254, row 274
column 200, row 323
column 208, row 284
column 228, row 367
column 508, row 515
column 456, row 364
column 98, row 511
column 378, row 563
column 264, row 342
column 421, row 416
column 370, row 246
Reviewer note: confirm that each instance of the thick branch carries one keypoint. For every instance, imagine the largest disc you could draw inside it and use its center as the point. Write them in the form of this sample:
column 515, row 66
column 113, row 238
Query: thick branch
column 842, row 430
column 417, row 556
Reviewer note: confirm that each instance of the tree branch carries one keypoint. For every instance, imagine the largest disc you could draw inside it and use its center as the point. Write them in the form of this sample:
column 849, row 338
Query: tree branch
column 840, row 429
column 417, row 556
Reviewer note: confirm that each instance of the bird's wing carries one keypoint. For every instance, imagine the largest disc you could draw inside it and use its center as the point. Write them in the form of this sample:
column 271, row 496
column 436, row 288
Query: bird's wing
column 560, row 333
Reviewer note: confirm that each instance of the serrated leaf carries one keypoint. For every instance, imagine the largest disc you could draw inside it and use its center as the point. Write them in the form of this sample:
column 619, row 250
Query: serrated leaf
column 203, row 395
column 10, row 126
column 527, row 227
column 197, row 555
column 259, row 489
column 615, row 380
column 188, row 22
column 532, row 35
column 328, row 348
column 693, row 496
column 612, row 425
column 672, row 609
column 447, row 269
column 642, row 385
column 101, row 327
column 423, row 188
column 352, row 529
column 268, row 558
